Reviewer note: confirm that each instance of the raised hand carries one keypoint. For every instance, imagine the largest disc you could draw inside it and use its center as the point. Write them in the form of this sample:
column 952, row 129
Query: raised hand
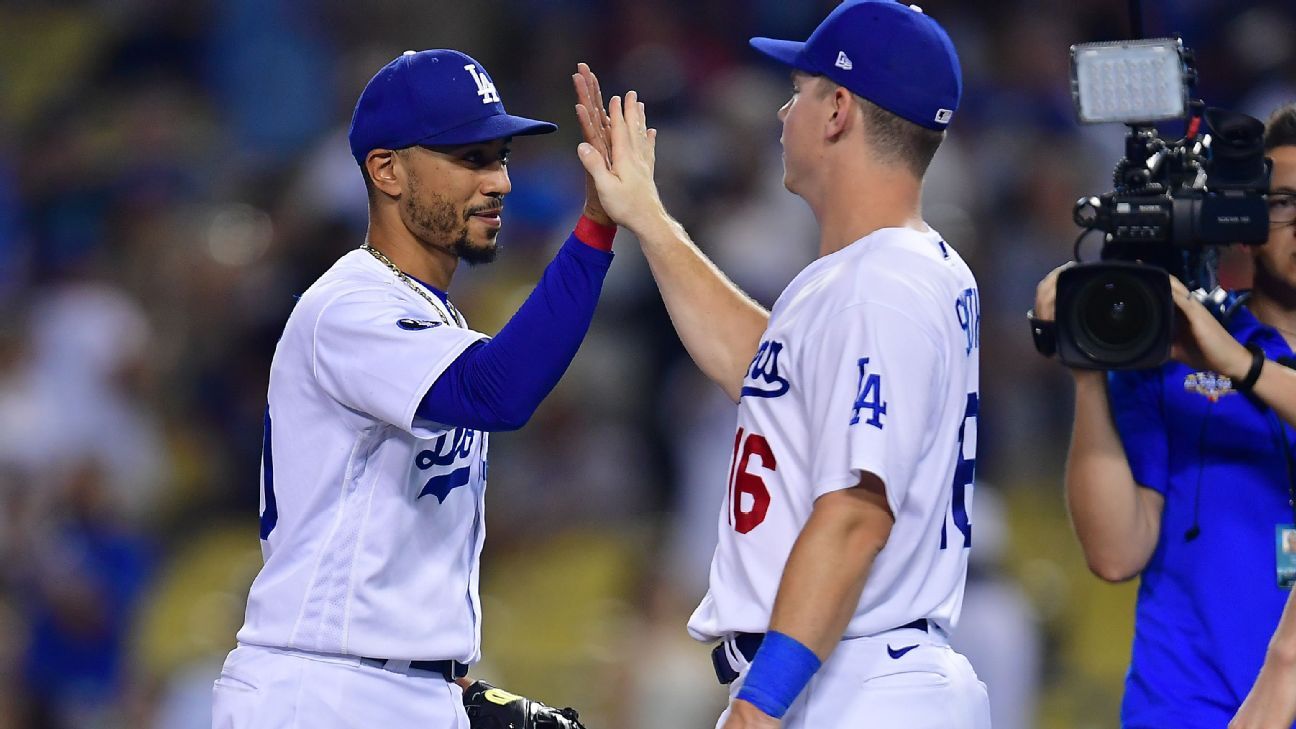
column 625, row 187
column 1201, row 341
column 596, row 129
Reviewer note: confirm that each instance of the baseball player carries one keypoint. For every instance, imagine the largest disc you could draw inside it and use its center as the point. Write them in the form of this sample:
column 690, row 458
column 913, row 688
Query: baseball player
column 381, row 398
column 844, row 534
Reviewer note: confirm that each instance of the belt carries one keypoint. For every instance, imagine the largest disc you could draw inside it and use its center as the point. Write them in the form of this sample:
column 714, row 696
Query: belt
column 450, row 670
column 746, row 644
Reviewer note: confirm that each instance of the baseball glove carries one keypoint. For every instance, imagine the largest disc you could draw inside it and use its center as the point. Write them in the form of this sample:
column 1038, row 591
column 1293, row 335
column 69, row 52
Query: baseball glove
column 492, row 708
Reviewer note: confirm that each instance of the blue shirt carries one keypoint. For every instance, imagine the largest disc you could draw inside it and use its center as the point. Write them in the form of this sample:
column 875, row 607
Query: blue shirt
column 1207, row 605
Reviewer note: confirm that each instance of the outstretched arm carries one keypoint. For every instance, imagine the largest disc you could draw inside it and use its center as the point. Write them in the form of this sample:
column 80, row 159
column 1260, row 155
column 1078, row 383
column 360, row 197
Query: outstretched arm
column 497, row 385
column 719, row 325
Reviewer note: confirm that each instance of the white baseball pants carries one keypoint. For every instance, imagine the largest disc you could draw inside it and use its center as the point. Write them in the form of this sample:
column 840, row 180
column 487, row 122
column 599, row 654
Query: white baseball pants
column 268, row 688
column 928, row 686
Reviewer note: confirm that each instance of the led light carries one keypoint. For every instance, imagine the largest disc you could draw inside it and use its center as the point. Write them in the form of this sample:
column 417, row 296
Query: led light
column 1129, row 81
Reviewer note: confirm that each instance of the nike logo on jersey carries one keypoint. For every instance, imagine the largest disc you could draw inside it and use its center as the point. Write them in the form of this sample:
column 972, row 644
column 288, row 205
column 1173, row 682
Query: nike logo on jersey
column 898, row 654
column 414, row 325
column 764, row 376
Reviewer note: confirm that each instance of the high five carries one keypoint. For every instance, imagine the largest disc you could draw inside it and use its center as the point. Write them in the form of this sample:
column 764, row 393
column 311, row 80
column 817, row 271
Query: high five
column 844, row 534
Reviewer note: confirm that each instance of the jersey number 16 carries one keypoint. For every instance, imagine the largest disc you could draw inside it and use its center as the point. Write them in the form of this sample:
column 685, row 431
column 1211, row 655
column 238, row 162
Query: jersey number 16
column 749, row 498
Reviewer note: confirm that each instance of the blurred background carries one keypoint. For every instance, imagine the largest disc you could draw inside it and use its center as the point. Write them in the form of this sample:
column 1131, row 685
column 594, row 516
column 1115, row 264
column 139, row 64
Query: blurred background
column 172, row 173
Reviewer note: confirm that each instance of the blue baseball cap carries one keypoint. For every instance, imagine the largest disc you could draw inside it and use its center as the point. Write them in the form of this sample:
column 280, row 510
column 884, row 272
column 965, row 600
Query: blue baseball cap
column 892, row 54
column 436, row 97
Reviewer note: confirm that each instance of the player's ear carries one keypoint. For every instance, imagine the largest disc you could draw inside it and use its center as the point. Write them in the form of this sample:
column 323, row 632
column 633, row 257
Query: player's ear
column 383, row 168
column 841, row 102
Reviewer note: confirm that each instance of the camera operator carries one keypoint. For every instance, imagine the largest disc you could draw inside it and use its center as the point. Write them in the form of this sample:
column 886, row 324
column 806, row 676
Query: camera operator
column 1183, row 477
column 1272, row 701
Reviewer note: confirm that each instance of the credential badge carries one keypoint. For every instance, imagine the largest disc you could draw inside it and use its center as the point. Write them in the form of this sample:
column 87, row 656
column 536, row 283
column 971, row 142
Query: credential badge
column 485, row 87
column 1209, row 385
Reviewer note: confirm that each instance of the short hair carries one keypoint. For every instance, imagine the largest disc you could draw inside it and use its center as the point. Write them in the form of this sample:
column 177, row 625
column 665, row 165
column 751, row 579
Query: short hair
column 370, row 190
column 1280, row 130
column 892, row 138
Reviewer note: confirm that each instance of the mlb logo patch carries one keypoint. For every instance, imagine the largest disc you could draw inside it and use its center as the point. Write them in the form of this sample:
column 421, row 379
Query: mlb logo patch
column 414, row 325
column 944, row 115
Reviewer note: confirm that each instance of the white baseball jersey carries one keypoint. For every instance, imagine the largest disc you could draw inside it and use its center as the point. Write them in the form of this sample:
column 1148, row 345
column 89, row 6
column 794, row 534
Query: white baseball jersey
column 371, row 521
column 869, row 363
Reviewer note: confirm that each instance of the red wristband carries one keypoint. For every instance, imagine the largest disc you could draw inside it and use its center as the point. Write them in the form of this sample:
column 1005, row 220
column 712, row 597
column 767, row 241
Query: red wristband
column 595, row 235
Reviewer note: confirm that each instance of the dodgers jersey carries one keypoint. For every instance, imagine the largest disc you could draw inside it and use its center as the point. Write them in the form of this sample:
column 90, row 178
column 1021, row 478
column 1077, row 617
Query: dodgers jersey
column 869, row 363
column 371, row 521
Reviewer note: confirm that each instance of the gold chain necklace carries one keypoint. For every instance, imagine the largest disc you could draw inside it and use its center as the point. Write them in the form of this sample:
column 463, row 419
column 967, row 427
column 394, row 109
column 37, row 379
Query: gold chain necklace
column 404, row 277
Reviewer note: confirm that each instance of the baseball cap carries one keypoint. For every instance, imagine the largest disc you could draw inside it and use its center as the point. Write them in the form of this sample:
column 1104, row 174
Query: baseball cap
column 892, row 54
column 436, row 97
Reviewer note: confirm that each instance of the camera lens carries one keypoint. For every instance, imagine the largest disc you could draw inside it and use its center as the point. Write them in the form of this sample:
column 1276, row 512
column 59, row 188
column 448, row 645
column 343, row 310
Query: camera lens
column 1116, row 317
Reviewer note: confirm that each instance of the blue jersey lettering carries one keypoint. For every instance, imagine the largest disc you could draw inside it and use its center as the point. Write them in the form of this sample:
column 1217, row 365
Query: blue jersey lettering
column 968, row 309
column 869, row 396
column 450, row 449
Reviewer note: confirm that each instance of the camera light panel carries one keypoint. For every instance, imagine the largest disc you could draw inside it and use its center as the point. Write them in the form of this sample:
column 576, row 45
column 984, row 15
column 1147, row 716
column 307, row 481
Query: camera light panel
column 1129, row 81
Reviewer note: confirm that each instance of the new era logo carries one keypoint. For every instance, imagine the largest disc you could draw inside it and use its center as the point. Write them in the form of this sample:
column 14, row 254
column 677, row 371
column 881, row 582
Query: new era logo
column 843, row 61
column 485, row 87
column 944, row 115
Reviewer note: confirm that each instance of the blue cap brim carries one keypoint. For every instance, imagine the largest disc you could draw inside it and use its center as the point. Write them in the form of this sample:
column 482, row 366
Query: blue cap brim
column 783, row 51
column 490, row 128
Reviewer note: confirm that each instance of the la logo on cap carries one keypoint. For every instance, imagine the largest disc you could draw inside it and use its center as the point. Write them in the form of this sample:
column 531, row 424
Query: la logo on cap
column 485, row 87
column 843, row 61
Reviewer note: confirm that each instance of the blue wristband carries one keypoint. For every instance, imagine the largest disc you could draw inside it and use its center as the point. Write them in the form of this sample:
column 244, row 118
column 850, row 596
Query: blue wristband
column 779, row 672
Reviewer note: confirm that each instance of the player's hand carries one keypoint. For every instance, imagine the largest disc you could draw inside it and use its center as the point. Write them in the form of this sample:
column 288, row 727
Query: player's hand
column 743, row 715
column 1201, row 341
column 626, row 188
column 596, row 128
column 1272, row 701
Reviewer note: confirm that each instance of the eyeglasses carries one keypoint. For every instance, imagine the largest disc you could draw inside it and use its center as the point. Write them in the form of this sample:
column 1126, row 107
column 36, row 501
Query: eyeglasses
column 1282, row 209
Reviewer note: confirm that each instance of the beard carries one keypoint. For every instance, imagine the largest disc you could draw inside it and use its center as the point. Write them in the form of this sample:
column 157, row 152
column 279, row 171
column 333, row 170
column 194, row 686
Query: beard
column 436, row 222
column 1273, row 281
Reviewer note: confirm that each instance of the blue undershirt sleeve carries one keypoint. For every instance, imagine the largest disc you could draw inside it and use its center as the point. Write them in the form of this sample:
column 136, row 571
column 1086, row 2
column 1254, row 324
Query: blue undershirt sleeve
column 497, row 384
